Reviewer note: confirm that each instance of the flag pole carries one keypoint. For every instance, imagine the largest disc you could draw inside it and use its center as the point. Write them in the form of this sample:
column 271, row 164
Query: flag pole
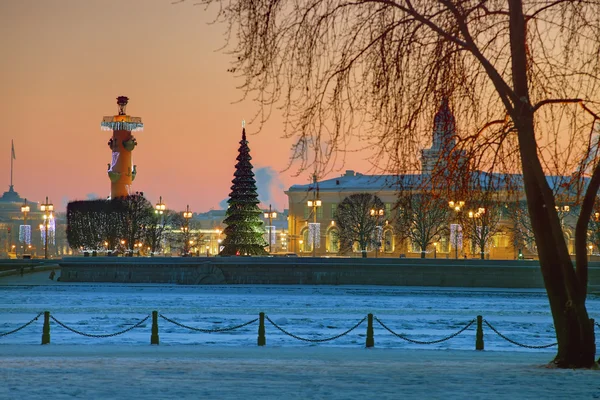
column 12, row 153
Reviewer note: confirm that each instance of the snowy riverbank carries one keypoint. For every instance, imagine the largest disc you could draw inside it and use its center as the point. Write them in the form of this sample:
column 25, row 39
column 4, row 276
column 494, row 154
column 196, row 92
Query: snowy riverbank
column 194, row 372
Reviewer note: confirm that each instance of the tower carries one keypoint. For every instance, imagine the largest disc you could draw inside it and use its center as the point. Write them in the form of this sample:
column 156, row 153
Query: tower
column 121, row 170
column 444, row 141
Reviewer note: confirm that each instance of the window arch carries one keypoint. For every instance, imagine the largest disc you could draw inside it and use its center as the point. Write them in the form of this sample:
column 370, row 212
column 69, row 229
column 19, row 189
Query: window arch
column 388, row 241
column 305, row 246
column 333, row 240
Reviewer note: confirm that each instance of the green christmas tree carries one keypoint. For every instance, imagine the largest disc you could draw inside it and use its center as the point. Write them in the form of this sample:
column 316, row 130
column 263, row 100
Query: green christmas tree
column 245, row 232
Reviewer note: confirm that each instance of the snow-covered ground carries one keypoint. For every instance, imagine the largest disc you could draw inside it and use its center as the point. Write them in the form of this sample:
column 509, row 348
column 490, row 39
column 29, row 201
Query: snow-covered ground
column 189, row 364
column 216, row 372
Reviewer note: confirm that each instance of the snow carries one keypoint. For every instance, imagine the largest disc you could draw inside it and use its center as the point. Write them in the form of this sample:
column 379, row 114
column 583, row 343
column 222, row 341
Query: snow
column 199, row 371
column 230, row 365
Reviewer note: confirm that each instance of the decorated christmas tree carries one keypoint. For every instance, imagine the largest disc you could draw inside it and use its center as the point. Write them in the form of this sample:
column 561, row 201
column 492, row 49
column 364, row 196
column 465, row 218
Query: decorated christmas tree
column 245, row 232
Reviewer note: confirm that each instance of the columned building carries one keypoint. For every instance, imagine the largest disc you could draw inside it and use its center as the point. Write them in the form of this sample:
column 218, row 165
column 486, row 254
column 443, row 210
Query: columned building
column 312, row 207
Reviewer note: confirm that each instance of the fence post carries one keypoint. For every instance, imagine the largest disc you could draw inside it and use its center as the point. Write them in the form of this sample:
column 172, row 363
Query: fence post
column 262, row 340
column 479, row 334
column 154, row 335
column 370, row 339
column 46, row 328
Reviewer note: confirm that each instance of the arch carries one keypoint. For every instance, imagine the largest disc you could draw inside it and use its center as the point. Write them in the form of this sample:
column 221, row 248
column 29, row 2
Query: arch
column 332, row 240
column 388, row 240
column 305, row 247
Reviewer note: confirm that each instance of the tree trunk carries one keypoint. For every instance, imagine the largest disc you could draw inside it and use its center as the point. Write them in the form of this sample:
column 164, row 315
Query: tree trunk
column 422, row 254
column 364, row 254
column 482, row 255
column 574, row 332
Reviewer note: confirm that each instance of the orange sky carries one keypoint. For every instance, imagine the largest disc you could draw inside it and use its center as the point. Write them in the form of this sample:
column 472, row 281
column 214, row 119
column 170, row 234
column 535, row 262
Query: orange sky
column 64, row 62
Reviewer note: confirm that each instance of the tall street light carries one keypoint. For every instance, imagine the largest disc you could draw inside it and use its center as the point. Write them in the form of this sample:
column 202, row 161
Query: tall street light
column 160, row 208
column 187, row 214
column 456, row 206
column 377, row 214
column 270, row 215
column 47, row 209
column 478, row 215
column 25, row 209
column 316, row 203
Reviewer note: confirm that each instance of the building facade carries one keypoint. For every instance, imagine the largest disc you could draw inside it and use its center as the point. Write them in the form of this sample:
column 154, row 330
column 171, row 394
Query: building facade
column 312, row 208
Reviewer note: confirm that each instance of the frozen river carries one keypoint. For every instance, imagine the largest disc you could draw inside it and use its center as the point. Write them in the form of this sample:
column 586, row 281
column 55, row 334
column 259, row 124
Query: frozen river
column 312, row 312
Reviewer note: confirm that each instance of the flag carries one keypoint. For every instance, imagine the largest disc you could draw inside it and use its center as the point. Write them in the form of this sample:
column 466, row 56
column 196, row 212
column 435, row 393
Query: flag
column 12, row 150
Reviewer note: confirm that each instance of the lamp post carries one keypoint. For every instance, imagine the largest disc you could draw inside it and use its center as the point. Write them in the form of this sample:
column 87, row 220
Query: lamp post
column 47, row 209
column 160, row 208
column 377, row 214
column 187, row 214
column 25, row 209
column 314, row 204
column 456, row 206
column 475, row 215
column 270, row 215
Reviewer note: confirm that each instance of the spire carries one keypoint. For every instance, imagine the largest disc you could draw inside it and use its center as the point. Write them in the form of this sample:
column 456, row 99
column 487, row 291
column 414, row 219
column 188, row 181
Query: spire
column 243, row 130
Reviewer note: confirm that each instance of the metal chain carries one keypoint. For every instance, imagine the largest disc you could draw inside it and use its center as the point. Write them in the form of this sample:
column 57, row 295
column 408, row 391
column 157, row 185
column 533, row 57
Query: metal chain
column 100, row 336
column 207, row 330
column 315, row 340
column 420, row 342
column 517, row 343
column 21, row 327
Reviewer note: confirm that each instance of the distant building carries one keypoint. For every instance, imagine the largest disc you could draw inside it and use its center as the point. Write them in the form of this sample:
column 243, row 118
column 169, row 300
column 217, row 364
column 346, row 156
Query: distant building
column 331, row 192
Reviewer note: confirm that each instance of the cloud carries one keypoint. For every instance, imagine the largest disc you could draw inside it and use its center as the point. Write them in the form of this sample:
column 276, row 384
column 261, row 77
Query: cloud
column 267, row 183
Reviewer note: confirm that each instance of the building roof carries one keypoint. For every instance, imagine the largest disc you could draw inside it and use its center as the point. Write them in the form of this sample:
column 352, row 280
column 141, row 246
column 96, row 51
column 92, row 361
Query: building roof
column 354, row 181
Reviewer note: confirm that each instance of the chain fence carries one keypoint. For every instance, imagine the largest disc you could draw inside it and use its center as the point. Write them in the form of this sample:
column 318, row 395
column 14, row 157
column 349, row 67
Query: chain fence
column 515, row 342
column 91, row 335
column 207, row 330
column 316, row 340
column 480, row 322
column 22, row 326
column 425, row 342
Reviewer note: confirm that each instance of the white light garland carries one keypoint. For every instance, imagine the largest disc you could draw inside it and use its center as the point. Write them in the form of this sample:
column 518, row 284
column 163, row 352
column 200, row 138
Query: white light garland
column 273, row 235
column 314, row 233
column 51, row 232
column 456, row 235
column 25, row 234
column 121, row 126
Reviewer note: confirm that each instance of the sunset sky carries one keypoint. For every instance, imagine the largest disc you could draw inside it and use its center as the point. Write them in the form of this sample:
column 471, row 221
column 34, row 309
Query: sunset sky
column 64, row 63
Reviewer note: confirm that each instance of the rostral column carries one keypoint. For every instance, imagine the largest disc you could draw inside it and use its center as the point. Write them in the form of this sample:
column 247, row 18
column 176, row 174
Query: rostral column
column 121, row 171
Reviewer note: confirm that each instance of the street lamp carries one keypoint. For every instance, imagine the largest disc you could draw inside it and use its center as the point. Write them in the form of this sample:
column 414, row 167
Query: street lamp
column 187, row 214
column 160, row 207
column 47, row 209
column 314, row 204
column 456, row 206
column 377, row 214
column 25, row 209
column 270, row 215
column 475, row 215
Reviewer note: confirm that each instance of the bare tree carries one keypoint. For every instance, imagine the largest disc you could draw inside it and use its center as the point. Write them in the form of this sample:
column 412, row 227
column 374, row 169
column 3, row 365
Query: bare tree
column 156, row 230
column 481, row 221
column 421, row 218
column 520, row 227
column 376, row 69
column 594, row 228
column 359, row 218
